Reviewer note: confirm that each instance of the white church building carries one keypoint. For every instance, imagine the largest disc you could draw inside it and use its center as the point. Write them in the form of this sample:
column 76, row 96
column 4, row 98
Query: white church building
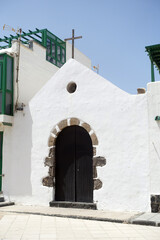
column 69, row 137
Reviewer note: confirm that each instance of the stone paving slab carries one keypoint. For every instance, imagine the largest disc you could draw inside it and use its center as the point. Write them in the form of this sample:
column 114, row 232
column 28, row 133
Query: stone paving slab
column 155, row 217
column 152, row 219
column 37, row 227
column 146, row 216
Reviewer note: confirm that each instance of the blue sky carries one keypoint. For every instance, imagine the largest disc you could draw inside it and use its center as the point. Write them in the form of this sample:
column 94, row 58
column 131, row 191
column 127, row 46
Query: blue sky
column 115, row 32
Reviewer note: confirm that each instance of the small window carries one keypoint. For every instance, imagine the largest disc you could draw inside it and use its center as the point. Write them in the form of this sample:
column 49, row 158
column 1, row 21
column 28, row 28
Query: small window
column 52, row 60
column 9, row 74
column 71, row 87
column 8, row 104
column 58, row 53
column 48, row 58
column 63, row 55
column 1, row 57
column 48, row 46
column 53, row 49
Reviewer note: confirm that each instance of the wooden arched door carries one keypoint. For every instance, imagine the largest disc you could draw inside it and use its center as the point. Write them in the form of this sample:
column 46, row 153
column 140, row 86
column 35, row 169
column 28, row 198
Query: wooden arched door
column 74, row 176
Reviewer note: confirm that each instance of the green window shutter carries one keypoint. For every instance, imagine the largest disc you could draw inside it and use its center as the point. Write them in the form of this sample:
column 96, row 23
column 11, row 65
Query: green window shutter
column 9, row 86
column 1, row 149
column 9, row 74
column 6, row 85
column 1, row 70
column 1, row 81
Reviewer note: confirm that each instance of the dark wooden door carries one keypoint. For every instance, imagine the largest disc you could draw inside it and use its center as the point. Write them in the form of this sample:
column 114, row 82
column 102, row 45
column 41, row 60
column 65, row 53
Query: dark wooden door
column 74, row 178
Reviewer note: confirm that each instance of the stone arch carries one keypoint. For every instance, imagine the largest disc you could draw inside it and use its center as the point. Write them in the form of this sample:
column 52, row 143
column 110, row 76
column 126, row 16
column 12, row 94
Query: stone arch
column 49, row 180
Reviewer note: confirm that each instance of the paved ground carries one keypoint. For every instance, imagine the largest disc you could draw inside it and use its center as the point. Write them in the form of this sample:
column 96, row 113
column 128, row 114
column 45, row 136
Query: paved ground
column 30, row 222
column 151, row 219
column 33, row 227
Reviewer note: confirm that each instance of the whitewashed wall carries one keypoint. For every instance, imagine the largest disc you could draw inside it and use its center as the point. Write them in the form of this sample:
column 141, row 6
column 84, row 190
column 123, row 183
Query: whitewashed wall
column 17, row 144
column 34, row 70
column 153, row 91
column 120, row 121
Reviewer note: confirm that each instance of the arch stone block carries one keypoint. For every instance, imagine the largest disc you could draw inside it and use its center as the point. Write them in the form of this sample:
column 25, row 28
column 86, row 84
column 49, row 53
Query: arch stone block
column 74, row 121
column 62, row 124
column 48, row 181
column 97, row 184
column 51, row 141
column 86, row 126
column 99, row 161
column 94, row 139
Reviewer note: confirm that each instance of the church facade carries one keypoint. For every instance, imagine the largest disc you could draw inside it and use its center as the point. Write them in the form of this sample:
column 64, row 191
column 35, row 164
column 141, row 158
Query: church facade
column 71, row 136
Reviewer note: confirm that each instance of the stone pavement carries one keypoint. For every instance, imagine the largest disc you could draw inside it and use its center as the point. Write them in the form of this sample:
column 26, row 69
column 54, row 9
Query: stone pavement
column 14, row 226
column 72, row 213
column 152, row 219
column 36, row 222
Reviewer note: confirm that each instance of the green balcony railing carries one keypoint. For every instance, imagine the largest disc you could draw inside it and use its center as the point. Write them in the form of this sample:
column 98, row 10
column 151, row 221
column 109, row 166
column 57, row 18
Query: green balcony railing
column 55, row 47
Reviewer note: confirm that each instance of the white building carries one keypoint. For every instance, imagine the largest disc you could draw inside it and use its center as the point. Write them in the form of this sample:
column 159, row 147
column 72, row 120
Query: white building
column 70, row 137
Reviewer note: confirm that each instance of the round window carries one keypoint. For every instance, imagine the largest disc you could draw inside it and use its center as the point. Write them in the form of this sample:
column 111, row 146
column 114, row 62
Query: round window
column 71, row 87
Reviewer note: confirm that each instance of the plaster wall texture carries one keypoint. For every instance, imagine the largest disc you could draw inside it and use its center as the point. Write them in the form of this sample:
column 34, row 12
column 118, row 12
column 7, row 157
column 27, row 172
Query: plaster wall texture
column 17, row 165
column 34, row 70
column 119, row 120
column 120, row 123
column 153, row 91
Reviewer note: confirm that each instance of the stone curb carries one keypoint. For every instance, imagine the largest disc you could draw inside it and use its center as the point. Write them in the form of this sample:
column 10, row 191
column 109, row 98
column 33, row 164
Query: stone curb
column 135, row 220
column 71, row 216
column 146, row 223
column 6, row 204
column 126, row 221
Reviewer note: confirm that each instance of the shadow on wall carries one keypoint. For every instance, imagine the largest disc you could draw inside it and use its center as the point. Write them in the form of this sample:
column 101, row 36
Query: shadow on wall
column 155, row 145
column 17, row 146
column 158, row 123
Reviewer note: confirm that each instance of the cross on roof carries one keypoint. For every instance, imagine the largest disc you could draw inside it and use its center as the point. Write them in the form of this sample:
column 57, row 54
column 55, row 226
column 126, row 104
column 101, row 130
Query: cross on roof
column 72, row 38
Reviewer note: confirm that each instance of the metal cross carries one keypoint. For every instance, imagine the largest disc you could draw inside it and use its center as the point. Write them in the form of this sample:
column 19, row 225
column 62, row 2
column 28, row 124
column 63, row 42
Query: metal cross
column 72, row 38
